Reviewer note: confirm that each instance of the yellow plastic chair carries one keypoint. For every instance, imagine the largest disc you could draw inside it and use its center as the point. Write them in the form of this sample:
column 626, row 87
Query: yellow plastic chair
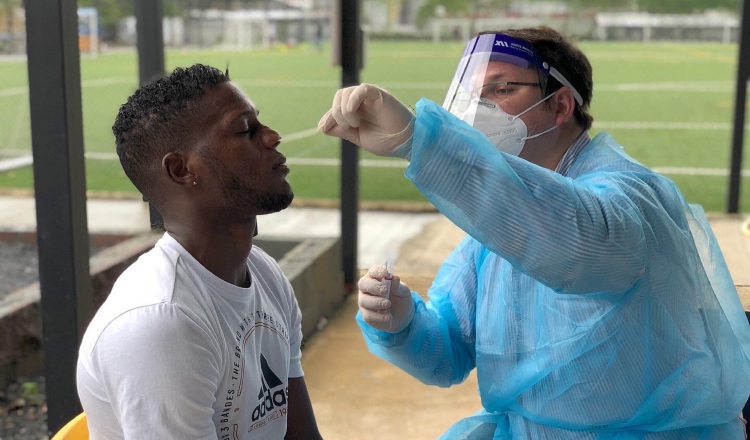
column 76, row 429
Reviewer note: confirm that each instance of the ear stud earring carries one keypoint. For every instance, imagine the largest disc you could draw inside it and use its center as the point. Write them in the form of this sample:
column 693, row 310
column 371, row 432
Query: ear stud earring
column 195, row 183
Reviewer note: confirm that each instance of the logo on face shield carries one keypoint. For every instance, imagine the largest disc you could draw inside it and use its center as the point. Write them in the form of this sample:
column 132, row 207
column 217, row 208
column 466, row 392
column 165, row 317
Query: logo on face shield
column 501, row 43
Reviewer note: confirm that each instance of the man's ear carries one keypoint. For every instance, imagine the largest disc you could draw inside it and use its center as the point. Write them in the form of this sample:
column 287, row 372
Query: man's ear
column 565, row 105
column 178, row 168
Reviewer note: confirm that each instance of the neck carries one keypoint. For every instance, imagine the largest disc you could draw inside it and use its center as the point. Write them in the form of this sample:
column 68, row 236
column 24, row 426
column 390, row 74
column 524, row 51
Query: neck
column 548, row 156
column 221, row 248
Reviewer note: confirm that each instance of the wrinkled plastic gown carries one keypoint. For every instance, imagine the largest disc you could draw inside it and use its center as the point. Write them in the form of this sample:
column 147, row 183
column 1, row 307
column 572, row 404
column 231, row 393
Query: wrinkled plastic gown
column 594, row 306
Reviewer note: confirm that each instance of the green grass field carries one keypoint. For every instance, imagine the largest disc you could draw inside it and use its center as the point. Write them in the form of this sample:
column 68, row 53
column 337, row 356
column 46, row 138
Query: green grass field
column 670, row 104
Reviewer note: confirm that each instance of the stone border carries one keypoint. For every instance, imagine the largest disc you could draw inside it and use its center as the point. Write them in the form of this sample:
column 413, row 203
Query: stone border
column 744, row 292
column 20, row 314
column 313, row 266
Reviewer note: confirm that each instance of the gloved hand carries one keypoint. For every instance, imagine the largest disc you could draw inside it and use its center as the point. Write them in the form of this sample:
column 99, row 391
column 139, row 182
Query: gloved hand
column 389, row 313
column 369, row 117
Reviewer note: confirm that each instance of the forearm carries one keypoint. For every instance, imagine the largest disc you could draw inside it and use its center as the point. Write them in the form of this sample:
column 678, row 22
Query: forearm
column 562, row 232
column 427, row 349
column 301, row 423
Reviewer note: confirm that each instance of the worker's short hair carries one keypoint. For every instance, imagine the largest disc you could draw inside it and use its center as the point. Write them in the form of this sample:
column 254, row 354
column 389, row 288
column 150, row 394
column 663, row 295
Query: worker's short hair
column 552, row 47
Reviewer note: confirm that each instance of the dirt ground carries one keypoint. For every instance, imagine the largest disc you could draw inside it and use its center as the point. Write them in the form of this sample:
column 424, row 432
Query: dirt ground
column 23, row 411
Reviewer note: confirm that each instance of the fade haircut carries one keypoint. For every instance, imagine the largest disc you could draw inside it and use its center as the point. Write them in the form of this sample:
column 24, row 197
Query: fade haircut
column 554, row 48
column 159, row 118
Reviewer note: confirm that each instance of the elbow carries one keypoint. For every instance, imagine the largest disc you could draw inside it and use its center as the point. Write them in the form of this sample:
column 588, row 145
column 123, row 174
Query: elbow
column 444, row 377
column 447, row 371
column 613, row 274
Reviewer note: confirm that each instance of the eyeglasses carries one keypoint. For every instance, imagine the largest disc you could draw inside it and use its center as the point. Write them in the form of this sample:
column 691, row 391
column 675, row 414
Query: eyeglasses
column 499, row 91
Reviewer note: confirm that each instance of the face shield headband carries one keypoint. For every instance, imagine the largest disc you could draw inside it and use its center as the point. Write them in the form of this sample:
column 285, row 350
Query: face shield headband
column 465, row 89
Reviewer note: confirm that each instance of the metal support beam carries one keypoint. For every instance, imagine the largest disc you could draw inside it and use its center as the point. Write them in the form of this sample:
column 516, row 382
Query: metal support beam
column 743, row 75
column 149, row 15
column 350, row 64
column 60, row 188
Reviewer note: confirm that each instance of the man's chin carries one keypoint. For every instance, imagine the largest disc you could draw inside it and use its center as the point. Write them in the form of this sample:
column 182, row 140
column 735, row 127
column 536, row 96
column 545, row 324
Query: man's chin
column 276, row 202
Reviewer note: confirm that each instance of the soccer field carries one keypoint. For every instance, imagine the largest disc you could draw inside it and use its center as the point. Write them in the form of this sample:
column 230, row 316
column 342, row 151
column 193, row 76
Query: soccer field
column 670, row 104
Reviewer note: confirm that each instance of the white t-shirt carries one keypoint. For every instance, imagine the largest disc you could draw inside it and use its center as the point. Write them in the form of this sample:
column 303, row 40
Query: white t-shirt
column 177, row 353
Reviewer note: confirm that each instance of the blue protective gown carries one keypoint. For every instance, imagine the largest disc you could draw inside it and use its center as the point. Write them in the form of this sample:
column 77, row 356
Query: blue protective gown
column 594, row 306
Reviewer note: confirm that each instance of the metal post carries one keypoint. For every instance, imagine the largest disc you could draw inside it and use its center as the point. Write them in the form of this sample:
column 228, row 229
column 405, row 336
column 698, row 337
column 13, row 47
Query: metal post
column 743, row 75
column 60, row 188
column 350, row 64
column 149, row 15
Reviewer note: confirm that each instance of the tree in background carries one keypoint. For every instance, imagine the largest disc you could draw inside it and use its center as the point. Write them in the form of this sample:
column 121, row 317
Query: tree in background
column 656, row 6
column 685, row 6
column 448, row 8
column 112, row 11
column 490, row 7
column 458, row 8
column 8, row 25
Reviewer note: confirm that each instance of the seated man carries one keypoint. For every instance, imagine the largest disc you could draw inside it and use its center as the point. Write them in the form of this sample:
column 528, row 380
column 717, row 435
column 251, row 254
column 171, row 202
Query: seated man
column 592, row 300
column 200, row 338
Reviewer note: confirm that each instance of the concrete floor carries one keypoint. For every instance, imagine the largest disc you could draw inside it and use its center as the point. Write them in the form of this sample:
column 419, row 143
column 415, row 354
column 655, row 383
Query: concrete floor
column 355, row 394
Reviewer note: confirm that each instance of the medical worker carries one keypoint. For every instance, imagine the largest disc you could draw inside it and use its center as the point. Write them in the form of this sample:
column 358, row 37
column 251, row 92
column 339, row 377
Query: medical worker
column 593, row 301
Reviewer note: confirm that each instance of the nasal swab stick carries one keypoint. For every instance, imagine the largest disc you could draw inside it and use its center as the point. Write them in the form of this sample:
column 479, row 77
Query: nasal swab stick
column 387, row 280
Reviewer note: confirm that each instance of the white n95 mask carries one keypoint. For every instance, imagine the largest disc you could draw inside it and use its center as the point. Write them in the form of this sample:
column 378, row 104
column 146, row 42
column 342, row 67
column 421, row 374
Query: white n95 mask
column 507, row 132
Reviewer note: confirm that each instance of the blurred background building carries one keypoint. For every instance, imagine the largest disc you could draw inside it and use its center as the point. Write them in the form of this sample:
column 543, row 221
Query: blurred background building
column 249, row 24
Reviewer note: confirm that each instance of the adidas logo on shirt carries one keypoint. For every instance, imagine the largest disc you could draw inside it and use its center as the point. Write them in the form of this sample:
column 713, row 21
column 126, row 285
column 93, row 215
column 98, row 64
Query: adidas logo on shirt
column 272, row 392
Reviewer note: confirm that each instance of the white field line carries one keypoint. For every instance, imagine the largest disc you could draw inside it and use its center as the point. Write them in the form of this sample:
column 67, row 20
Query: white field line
column 711, row 86
column 15, row 132
column 299, row 135
column 331, row 162
column 101, row 82
column 14, row 91
column 688, row 171
column 24, row 161
column 313, row 161
column 335, row 85
column 635, row 125
column 706, row 87
column 16, row 162
column 374, row 163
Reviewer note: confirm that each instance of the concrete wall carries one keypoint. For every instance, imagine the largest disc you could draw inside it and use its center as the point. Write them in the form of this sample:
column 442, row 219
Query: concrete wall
column 313, row 267
column 20, row 313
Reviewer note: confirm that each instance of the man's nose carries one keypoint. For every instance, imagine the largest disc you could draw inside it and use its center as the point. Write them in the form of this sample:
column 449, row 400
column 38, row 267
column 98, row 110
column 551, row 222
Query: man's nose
column 271, row 139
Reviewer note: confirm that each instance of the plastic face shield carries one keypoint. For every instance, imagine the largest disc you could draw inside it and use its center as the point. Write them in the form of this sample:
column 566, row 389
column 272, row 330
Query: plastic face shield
column 469, row 88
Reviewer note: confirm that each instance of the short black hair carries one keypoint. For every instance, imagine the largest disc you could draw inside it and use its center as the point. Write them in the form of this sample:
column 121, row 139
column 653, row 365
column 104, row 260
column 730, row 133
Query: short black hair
column 564, row 56
column 157, row 119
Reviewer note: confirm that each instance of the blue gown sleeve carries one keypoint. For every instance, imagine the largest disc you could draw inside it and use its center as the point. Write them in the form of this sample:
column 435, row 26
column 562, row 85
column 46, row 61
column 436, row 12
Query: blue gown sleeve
column 438, row 345
column 575, row 236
